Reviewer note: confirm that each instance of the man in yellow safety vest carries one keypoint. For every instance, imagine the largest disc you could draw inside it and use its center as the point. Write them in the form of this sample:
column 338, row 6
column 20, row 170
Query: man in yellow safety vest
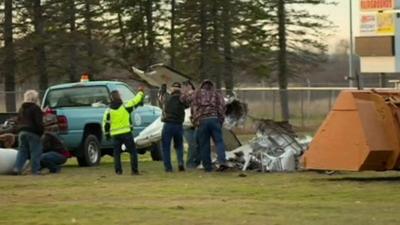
column 117, row 124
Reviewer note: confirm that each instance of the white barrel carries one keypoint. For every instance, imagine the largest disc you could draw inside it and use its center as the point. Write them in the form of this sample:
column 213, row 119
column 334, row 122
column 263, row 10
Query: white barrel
column 7, row 160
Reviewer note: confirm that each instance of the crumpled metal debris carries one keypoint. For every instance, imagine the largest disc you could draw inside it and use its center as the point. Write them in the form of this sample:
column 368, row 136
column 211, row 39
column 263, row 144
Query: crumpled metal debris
column 275, row 148
column 236, row 113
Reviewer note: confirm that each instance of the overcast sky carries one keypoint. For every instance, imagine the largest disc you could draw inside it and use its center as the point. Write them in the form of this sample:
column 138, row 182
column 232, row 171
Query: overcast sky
column 339, row 15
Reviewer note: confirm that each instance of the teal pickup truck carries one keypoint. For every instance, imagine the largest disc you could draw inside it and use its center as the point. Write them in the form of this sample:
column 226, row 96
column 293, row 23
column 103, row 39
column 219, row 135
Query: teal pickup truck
column 79, row 108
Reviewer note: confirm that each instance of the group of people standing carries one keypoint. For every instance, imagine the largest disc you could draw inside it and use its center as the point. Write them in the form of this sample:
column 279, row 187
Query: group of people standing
column 207, row 108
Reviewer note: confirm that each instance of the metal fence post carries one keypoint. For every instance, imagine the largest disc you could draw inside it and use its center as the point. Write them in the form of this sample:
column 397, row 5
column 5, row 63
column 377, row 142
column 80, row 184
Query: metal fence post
column 302, row 108
column 273, row 104
column 330, row 101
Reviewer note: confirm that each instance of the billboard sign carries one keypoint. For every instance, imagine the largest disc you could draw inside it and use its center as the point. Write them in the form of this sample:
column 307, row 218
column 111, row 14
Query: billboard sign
column 376, row 5
column 368, row 24
column 377, row 24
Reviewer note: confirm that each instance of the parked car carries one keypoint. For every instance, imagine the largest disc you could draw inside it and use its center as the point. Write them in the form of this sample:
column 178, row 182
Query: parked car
column 79, row 108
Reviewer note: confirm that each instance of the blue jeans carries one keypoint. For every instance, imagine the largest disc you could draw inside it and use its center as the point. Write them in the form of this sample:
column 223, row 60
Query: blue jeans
column 29, row 147
column 193, row 157
column 52, row 161
column 211, row 128
column 127, row 140
column 172, row 131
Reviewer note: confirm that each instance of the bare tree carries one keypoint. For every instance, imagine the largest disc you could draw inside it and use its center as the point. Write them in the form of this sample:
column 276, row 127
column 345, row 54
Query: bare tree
column 282, row 61
column 72, row 71
column 203, row 39
column 150, row 32
column 9, row 59
column 215, row 52
column 89, row 38
column 40, row 42
column 228, row 67
column 172, row 33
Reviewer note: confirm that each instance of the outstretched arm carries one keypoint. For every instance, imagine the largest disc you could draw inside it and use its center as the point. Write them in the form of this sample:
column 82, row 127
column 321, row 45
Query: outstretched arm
column 136, row 100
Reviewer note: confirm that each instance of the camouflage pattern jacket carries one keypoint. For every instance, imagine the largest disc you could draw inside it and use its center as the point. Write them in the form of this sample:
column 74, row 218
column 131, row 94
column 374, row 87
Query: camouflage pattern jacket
column 206, row 102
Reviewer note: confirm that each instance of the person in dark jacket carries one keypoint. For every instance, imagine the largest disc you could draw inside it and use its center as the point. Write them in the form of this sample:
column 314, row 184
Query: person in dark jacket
column 173, row 115
column 117, row 124
column 54, row 154
column 30, row 128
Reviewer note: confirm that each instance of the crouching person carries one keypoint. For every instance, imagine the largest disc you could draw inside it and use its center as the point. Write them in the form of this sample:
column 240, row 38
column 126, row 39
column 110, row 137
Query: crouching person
column 117, row 124
column 7, row 140
column 55, row 153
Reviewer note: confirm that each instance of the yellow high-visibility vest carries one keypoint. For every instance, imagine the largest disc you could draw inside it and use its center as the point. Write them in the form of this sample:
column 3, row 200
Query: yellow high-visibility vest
column 118, row 121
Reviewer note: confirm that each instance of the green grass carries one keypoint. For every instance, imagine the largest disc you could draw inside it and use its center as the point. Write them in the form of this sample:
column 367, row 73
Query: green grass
column 97, row 196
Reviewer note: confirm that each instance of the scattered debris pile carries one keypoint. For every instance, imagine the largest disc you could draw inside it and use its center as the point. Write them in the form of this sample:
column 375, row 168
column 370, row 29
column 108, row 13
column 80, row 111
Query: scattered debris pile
column 275, row 148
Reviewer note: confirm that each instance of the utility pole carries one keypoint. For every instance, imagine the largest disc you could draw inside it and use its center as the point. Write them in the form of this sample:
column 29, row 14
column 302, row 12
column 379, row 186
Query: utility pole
column 351, row 70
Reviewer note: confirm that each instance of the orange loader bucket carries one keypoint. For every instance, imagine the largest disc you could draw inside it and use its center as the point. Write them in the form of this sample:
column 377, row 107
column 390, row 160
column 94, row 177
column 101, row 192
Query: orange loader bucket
column 362, row 132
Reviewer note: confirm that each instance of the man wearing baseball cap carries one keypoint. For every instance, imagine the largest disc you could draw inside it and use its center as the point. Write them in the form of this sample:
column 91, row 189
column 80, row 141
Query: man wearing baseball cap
column 173, row 116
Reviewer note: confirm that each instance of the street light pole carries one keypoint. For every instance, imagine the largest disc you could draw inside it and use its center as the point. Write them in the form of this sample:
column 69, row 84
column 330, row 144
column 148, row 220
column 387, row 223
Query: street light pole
column 351, row 70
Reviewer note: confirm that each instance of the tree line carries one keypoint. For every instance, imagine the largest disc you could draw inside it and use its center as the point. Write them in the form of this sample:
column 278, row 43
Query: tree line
column 222, row 40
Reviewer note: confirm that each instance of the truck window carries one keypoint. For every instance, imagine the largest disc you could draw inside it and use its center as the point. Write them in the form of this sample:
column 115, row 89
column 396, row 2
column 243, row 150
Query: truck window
column 77, row 96
column 125, row 92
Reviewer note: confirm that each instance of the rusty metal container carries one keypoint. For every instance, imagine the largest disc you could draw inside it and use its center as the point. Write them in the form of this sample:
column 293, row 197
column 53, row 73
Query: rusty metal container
column 362, row 132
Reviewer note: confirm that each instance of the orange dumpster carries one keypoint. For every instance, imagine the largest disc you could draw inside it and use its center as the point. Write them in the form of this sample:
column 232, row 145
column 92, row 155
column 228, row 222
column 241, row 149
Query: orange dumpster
column 362, row 132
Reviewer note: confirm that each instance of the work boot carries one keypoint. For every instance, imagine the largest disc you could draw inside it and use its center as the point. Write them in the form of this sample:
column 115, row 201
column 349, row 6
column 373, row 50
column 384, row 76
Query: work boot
column 118, row 172
column 181, row 168
column 135, row 173
column 56, row 170
column 222, row 168
column 15, row 173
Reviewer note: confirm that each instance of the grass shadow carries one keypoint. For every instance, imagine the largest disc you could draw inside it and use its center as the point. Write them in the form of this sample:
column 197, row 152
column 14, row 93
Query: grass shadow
column 394, row 179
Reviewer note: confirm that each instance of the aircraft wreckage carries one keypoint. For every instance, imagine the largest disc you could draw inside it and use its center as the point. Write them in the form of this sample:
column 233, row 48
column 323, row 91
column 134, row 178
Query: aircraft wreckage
column 275, row 147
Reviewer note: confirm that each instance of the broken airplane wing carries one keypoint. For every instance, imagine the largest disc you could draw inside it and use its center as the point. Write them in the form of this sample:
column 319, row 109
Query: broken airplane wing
column 159, row 74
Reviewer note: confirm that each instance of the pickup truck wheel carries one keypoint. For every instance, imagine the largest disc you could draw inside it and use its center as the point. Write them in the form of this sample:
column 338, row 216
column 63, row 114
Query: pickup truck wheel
column 90, row 152
column 156, row 152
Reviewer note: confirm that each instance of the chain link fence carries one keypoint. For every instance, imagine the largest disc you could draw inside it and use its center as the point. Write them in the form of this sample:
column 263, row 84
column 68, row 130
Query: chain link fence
column 308, row 107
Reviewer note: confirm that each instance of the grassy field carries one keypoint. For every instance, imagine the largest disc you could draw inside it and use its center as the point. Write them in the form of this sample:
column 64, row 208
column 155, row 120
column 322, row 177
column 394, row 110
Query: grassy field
column 97, row 196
